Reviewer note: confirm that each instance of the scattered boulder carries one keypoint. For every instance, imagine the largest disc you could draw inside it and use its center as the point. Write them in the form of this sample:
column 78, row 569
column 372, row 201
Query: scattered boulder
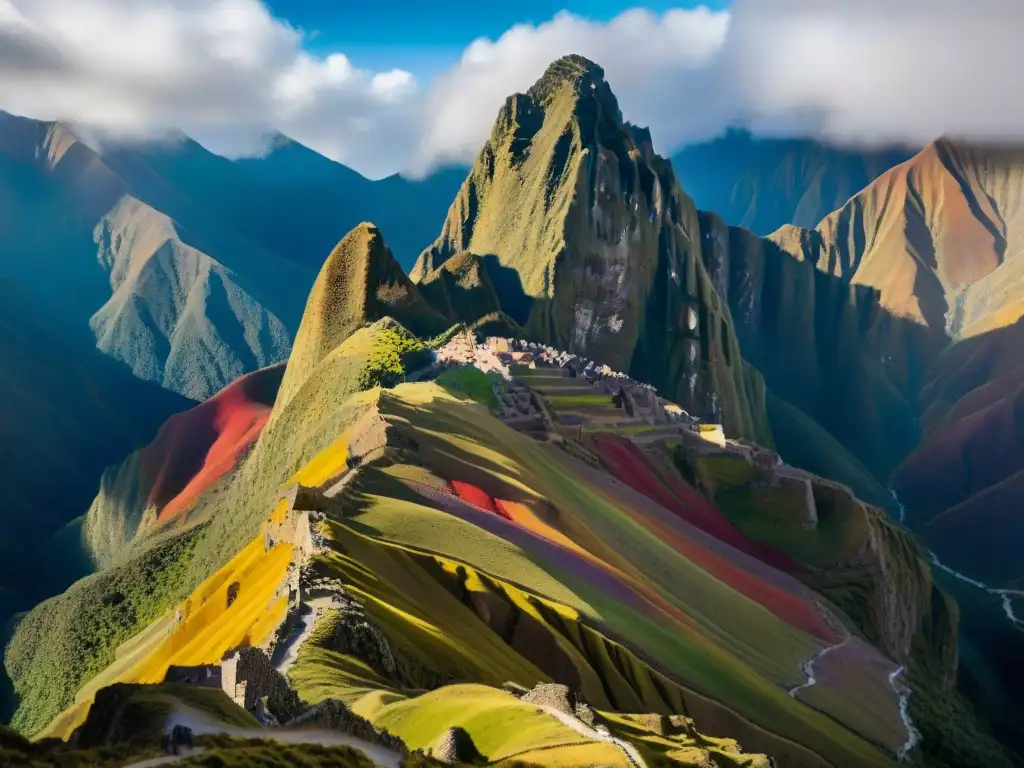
column 455, row 746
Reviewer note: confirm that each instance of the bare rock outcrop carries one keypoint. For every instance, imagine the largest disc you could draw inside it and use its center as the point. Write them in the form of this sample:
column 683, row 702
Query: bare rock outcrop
column 335, row 715
column 563, row 699
column 455, row 746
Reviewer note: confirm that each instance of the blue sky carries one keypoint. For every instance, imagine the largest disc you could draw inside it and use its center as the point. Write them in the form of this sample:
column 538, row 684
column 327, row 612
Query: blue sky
column 362, row 86
column 425, row 37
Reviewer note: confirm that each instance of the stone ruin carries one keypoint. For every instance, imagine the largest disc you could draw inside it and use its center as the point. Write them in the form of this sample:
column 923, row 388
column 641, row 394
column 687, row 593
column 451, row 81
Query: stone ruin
column 249, row 678
column 203, row 676
column 561, row 698
column 353, row 634
column 336, row 716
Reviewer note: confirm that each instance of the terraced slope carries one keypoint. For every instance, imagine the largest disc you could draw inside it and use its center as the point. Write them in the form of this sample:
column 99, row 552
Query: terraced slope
column 467, row 595
column 163, row 286
column 592, row 246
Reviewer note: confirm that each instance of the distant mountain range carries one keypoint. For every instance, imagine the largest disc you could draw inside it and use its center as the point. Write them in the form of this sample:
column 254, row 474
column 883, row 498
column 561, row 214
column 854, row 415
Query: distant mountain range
column 190, row 268
column 762, row 184
column 859, row 312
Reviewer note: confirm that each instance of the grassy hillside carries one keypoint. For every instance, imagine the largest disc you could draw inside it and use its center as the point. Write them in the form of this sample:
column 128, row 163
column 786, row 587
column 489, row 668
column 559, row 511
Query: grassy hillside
column 160, row 483
column 874, row 571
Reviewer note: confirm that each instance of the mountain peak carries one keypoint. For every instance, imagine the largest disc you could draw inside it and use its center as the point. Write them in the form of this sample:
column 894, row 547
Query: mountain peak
column 359, row 283
column 573, row 69
column 582, row 75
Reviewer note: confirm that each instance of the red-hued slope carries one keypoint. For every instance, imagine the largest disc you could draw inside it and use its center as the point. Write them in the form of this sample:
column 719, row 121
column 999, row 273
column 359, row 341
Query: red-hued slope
column 472, row 495
column 628, row 463
column 957, row 484
column 194, row 449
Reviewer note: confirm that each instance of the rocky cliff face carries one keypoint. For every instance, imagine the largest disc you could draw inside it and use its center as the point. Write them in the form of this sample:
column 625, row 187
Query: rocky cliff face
column 593, row 247
column 823, row 344
column 852, row 322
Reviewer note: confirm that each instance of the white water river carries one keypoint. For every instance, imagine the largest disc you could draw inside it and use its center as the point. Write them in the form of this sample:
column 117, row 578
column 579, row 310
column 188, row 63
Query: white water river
column 913, row 735
column 1005, row 595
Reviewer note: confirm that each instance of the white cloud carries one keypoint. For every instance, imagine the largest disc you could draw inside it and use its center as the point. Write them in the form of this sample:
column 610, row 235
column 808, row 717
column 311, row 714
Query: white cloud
column 226, row 71
column 644, row 56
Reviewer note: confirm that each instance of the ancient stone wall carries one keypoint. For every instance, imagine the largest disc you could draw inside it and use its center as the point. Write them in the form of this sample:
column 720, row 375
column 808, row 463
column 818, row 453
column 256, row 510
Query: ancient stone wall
column 247, row 676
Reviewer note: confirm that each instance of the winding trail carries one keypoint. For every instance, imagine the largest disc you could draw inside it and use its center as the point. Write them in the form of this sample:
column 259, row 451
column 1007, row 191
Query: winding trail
column 631, row 752
column 1005, row 595
column 166, row 760
column 201, row 724
column 808, row 666
column 289, row 653
column 913, row 735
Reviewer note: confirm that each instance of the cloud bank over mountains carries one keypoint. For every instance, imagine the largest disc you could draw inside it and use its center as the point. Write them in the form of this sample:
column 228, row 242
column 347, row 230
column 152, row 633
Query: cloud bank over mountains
column 227, row 72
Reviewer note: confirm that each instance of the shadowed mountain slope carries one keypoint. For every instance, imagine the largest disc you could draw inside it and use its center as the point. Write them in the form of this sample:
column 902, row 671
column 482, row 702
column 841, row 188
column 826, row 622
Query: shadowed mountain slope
column 180, row 298
column 67, row 412
column 928, row 254
column 192, row 452
column 295, row 202
column 594, row 248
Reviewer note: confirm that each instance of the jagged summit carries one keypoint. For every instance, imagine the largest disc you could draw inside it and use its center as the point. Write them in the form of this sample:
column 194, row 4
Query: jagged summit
column 593, row 247
column 575, row 70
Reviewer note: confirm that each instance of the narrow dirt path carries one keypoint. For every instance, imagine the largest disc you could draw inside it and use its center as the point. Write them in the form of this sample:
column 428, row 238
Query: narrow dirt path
column 167, row 759
column 913, row 735
column 201, row 724
column 592, row 733
column 808, row 667
column 294, row 642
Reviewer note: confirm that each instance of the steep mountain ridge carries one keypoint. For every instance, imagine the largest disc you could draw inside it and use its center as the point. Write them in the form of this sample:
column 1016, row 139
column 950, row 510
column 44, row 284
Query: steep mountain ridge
column 183, row 301
column 597, row 249
column 293, row 201
column 359, row 283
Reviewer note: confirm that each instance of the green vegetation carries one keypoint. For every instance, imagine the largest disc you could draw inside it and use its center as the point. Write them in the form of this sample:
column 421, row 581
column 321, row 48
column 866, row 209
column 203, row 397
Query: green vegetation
column 137, row 715
column 442, row 339
column 720, row 472
column 18, row 752
column 226, row 752
column 529, row 212
column 778, row 516
column 394, row 352
column 69, row 639
column 802, row 442
column 472, row 382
